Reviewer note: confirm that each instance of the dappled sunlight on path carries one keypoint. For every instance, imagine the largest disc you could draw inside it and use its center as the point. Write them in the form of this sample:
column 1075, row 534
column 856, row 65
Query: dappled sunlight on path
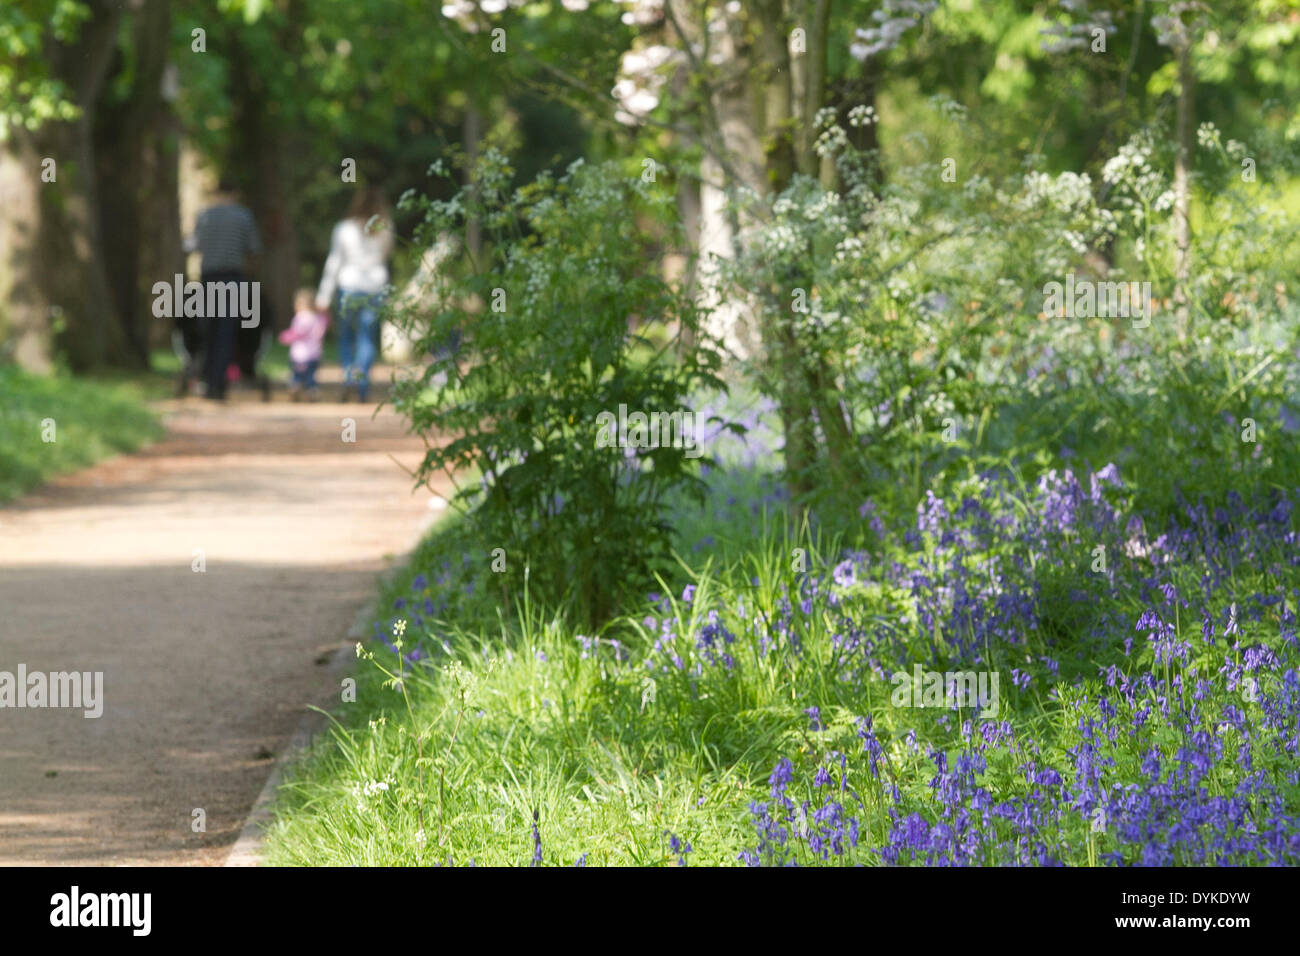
column 205, row 673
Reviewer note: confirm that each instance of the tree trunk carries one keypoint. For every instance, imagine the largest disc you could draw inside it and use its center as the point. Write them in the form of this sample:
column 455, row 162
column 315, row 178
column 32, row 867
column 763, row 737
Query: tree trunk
column 813, row 93
column 161, row 255
column 26, row 335
column 138, row 178
column 473, row 134
column 731, row 157
column 757, row 131
column 1182, row 188
column 726, row 322
column 261, row 137
column 860, row 90
column 52, row 250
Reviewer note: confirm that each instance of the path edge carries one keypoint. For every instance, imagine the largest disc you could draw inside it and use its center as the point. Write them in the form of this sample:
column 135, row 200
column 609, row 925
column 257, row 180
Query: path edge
column 250, row 844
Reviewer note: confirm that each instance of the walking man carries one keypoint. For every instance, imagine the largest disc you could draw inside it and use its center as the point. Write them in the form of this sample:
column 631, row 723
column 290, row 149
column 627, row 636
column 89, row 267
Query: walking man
column 225, row 237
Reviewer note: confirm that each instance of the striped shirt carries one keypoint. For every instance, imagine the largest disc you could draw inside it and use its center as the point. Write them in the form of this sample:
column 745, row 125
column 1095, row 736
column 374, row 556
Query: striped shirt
column 223, row 236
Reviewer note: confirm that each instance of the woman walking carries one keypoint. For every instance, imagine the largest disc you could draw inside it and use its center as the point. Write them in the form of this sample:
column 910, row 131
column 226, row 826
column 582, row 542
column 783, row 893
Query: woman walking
column 355, row 276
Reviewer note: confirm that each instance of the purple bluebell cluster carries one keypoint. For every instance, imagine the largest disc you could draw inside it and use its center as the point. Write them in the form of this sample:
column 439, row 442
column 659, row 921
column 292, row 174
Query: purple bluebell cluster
column 679, row 847
column 743, row 435
column 426, row 603
column 826, row 830
column 1223, row 793
column 1150, row 710
column 1179, row 695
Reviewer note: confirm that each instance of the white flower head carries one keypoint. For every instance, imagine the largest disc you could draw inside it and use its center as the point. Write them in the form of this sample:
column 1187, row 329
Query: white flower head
column 643, row 13
column 862, row 116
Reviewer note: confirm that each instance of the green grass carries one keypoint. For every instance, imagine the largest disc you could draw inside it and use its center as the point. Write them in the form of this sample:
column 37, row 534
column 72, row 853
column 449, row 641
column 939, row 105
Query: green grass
column 88, row 419
column 523, row 719
column 518, row 714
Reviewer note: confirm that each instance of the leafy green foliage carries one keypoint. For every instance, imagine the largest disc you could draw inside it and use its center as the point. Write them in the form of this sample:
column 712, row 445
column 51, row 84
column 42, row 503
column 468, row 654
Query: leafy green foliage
column 29, row 96
column 553, row 314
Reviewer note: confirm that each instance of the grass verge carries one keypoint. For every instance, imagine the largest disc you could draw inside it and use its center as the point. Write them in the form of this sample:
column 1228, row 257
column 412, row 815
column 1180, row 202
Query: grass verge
column 55, row 424
column 1144, row 701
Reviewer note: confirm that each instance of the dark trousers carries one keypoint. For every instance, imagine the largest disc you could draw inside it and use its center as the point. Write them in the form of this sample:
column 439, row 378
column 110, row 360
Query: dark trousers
column 220, row 334
column 247, row 343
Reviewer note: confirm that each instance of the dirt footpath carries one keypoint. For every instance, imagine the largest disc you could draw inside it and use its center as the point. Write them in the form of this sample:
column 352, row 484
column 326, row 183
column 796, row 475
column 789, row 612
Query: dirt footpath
column 206, row 674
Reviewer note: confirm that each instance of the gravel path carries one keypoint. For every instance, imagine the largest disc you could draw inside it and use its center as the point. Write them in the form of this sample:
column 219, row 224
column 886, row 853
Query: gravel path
column 206, row 675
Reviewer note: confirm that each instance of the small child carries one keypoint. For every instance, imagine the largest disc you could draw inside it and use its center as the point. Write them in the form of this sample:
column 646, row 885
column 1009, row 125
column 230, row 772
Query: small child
column 304, row 336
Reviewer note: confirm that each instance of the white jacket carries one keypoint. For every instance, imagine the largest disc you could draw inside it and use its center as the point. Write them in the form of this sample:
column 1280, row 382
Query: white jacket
column 356, row 263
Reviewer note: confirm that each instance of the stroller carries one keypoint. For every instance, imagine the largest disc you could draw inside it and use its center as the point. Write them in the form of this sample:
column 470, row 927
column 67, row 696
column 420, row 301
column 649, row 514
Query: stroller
column 188, row 342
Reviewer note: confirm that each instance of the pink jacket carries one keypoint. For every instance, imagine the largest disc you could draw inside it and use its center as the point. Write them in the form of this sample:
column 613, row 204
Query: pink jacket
column 304, row 336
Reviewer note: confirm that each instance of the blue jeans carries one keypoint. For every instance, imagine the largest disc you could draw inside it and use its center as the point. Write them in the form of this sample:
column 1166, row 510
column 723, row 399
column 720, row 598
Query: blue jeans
column 304, row 373
column 358, row 318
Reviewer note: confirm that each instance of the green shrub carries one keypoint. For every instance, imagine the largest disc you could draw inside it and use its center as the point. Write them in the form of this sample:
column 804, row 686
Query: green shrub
column 553, row 314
